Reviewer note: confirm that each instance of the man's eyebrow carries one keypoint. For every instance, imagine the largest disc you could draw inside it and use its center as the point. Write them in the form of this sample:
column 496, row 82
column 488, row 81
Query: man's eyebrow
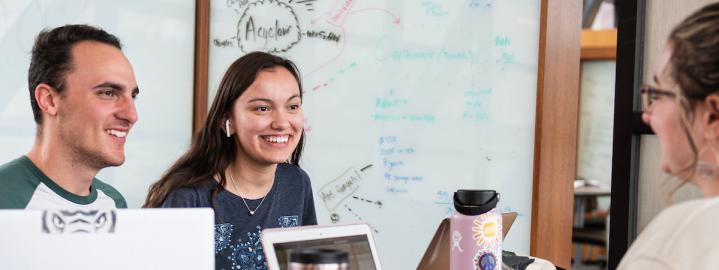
column 116, row 86
column 112, row 85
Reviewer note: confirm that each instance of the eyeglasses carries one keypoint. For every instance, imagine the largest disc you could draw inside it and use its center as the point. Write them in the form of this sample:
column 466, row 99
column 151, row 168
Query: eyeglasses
column 651, row 94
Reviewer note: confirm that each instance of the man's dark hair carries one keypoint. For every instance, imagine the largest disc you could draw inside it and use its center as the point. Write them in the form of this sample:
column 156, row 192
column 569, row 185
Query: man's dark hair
column 52, row 57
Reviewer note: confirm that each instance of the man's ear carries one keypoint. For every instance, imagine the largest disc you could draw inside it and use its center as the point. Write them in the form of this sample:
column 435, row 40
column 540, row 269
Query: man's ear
column 47, row 98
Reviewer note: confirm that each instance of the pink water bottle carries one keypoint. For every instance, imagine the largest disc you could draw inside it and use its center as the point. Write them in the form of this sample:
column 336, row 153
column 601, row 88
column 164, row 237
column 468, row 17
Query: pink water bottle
column 476, row 231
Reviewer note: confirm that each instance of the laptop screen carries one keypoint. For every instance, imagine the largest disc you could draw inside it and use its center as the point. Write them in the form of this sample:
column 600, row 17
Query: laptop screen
column 357, row 247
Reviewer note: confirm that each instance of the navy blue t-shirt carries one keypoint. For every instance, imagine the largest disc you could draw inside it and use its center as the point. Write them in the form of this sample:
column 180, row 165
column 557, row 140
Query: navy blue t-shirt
column 237, row 234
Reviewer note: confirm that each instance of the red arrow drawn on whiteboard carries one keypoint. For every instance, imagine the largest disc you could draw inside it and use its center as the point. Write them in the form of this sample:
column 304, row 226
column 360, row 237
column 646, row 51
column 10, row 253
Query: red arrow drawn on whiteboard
column 342, row 49
column 395, row 20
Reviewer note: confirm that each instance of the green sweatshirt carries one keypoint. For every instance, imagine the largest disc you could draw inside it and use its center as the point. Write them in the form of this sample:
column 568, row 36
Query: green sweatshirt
column 24, row 186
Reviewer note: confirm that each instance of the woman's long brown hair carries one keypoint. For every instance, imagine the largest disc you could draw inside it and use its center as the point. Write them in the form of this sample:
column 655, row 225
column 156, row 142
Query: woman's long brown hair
column 211, row 151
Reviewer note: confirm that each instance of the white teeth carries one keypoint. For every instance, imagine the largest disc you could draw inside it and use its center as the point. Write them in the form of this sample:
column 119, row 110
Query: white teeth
column 117, row 133
column 274, row 139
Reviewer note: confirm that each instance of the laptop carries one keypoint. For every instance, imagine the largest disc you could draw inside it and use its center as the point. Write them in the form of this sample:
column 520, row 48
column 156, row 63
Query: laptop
column 436, row 257
column 354, row 239
column 107, row 239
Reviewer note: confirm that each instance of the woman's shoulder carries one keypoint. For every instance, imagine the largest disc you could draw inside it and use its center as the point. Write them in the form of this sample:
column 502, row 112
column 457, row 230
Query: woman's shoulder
column 292, row 171
column 689, row 227
column 686, row 217
column 689, row 212
column 194, row 196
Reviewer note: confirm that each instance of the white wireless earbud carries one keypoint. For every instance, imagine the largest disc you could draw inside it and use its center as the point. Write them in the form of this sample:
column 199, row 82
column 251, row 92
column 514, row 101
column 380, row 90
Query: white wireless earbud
column 227, row 128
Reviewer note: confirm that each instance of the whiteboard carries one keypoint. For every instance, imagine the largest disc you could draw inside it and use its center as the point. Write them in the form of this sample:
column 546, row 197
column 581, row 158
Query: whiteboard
column 405, row 102
column 157, row 38
column 596, row 122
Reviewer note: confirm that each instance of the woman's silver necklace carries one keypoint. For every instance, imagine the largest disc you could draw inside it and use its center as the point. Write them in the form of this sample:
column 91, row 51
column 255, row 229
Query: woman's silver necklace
column 252, row 212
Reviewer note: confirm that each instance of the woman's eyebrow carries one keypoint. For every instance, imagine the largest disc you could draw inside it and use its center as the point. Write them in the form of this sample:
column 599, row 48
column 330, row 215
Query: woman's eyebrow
column 293, row 97
column 259, row 99
column 269, row 100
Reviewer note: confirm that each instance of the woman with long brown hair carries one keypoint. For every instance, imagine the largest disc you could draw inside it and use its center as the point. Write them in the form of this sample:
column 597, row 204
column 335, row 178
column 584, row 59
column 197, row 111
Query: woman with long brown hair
column 244, row 161
column 683, row 110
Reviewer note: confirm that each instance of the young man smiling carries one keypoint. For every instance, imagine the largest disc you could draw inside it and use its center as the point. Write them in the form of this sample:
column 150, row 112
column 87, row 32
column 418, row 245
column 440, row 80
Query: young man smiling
column 82, row 91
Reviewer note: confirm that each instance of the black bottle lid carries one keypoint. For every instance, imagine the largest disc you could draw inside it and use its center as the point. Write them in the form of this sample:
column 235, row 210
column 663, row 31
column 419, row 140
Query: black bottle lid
column 319, row 256
column 475, row 202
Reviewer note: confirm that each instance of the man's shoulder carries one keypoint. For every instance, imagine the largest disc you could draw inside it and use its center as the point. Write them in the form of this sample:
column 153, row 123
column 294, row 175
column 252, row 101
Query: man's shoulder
column 111, row 192
column 18, row 183
column 13, row 168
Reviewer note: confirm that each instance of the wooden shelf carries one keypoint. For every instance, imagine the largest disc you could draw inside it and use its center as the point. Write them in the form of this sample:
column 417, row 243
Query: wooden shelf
column 599, row 45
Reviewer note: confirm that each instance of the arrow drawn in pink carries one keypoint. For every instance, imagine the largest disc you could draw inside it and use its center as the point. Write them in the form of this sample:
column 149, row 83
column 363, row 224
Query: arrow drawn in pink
column 395, row 20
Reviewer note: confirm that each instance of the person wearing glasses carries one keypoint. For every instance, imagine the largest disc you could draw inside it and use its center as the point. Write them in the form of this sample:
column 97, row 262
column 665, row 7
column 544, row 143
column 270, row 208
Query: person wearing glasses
column 682, row 108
